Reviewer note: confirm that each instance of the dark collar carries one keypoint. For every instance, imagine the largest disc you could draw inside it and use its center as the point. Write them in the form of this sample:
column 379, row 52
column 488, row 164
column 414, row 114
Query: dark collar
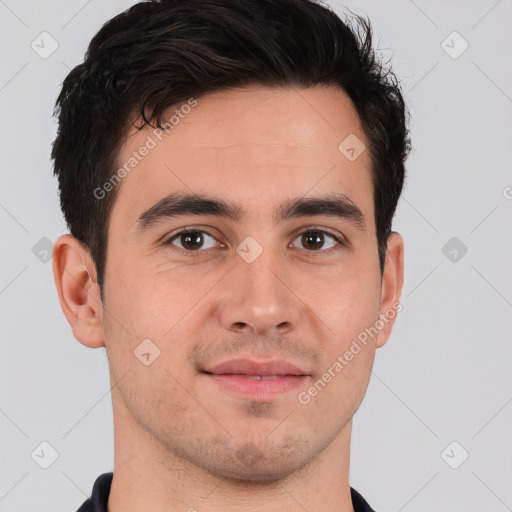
column 101, row 491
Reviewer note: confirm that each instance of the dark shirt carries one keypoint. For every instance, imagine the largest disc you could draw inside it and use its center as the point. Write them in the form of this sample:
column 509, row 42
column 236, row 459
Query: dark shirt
column 101, row 490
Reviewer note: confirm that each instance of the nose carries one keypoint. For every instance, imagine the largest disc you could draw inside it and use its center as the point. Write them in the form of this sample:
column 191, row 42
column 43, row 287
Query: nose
column 257, row 299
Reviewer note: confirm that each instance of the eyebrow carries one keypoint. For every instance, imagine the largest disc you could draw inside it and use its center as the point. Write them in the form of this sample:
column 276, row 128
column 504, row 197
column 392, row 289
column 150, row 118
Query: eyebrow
column 181, row 204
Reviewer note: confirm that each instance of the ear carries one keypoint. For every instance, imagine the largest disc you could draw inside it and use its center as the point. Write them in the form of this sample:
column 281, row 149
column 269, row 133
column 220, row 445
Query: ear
column 74, row 272
column 391, row 287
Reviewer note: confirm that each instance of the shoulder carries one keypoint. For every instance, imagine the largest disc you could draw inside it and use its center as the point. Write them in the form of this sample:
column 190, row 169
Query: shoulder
column 359, row 503
column 100, row 493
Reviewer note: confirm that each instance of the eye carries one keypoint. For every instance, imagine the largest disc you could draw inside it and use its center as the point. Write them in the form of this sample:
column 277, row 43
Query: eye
column 191, row 240
column 315, row 239
column 197, row 240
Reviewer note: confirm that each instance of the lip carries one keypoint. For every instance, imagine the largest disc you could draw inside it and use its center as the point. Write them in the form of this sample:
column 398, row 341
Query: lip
column 252, row 380
column 249, row 367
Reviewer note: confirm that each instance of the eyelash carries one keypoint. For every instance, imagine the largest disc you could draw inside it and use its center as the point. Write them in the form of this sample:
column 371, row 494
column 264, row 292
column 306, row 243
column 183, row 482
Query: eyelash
column 168, row 242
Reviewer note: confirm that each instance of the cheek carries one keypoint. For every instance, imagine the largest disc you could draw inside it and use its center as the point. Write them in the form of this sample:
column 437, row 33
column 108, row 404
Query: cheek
column 339, row 387
column 149, row 301
column 347, row 304
column 350, row 310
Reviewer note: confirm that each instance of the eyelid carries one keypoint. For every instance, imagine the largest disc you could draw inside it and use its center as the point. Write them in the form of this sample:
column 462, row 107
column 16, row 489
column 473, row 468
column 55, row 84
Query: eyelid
column 166, row 240
column 339, row 237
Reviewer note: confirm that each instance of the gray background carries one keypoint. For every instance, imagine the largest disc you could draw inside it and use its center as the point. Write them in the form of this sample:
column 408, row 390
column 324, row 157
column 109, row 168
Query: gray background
column 445, row 374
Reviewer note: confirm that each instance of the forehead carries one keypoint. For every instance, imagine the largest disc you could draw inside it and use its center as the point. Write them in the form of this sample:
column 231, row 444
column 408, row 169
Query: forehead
column 251, row 145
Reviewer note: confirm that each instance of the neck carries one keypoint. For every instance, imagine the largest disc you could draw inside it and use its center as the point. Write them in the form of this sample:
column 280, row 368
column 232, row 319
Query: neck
column 147, row 476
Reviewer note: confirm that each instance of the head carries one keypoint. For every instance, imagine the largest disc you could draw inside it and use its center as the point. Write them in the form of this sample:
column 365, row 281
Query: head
column 231, row 117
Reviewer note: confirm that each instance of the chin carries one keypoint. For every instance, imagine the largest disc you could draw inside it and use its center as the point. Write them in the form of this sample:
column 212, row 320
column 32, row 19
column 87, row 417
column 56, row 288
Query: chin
column 262, row 473
column 250, row 464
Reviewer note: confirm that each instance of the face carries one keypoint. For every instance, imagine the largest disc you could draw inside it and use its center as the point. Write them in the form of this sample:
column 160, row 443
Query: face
column 251, row 296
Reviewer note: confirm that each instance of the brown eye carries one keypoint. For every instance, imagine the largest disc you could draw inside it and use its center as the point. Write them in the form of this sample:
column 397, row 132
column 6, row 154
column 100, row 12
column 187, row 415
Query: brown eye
column 314, row 240
column 192, row 240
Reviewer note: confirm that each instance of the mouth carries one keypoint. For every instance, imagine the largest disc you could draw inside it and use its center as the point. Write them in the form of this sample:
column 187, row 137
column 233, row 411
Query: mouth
column 254, row 379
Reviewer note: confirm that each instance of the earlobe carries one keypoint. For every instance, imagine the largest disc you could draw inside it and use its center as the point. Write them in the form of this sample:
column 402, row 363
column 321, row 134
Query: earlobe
column 74, row 273
column 391, row 288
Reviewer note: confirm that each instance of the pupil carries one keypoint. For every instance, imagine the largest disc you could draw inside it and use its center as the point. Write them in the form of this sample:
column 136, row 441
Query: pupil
column 313, row 239
column 192, row 240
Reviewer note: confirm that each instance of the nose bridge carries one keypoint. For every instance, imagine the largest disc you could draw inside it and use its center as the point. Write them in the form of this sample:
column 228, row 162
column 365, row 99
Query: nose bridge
column 260, row 283
column 257, row 298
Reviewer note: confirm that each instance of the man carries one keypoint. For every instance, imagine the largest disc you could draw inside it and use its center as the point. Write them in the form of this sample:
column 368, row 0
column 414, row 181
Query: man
column 229, row 171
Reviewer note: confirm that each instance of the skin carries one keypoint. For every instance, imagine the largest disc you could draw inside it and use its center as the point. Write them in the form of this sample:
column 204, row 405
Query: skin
column 181, row 442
